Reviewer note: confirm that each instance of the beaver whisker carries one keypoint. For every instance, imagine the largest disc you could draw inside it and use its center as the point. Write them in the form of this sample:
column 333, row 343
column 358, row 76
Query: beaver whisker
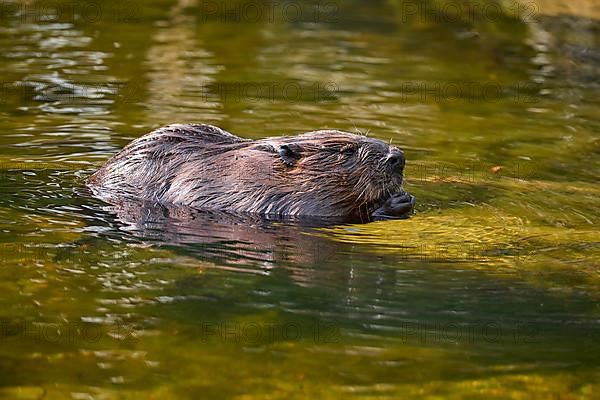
column 360, row 196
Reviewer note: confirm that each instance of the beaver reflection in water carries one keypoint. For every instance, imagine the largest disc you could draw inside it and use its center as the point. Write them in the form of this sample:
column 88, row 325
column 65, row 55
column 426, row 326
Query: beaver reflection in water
column 324, row 173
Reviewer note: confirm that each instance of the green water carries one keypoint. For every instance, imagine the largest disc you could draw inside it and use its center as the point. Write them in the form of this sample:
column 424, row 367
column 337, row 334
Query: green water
column 490, row 290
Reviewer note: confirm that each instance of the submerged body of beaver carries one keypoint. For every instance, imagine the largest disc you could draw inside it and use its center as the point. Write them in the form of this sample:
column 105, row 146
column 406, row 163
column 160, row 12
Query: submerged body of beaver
column 323, row 173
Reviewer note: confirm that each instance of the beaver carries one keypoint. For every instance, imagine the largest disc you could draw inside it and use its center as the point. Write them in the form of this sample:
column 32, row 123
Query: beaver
column 325, row 173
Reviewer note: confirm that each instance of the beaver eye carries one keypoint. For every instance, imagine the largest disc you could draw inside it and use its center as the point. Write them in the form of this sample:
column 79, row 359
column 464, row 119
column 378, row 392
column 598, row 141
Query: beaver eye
column 348, row 150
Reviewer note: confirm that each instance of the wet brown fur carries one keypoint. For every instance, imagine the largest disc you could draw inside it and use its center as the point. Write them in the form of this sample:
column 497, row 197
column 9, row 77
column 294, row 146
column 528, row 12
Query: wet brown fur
column 321, row 173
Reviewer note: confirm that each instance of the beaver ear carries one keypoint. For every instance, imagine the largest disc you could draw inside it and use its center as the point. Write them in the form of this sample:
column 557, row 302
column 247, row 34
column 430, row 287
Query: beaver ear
column 289, row 153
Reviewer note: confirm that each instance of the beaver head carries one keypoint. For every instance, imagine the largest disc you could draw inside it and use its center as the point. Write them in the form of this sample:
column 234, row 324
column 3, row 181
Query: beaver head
column 320, row 173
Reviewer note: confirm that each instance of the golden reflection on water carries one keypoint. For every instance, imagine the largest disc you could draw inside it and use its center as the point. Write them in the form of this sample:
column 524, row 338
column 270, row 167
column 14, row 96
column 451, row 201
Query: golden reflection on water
column 490, row 289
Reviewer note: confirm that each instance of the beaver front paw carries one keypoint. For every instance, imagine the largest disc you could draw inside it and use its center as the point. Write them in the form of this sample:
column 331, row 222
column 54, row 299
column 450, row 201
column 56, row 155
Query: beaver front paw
column 398, row 206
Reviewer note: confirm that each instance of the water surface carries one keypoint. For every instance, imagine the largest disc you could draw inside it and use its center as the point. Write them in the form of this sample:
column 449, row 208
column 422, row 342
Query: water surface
column 490, row 290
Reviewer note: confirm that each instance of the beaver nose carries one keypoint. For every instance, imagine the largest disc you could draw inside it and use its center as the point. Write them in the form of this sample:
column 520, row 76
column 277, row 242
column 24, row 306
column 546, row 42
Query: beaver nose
column 396, row 160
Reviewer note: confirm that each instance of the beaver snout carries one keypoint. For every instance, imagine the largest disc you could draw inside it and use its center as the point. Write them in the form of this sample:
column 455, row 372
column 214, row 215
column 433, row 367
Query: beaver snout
column 395, row 160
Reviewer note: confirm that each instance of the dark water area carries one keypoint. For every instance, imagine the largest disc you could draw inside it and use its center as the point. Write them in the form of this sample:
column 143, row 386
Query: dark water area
column 490, row 290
